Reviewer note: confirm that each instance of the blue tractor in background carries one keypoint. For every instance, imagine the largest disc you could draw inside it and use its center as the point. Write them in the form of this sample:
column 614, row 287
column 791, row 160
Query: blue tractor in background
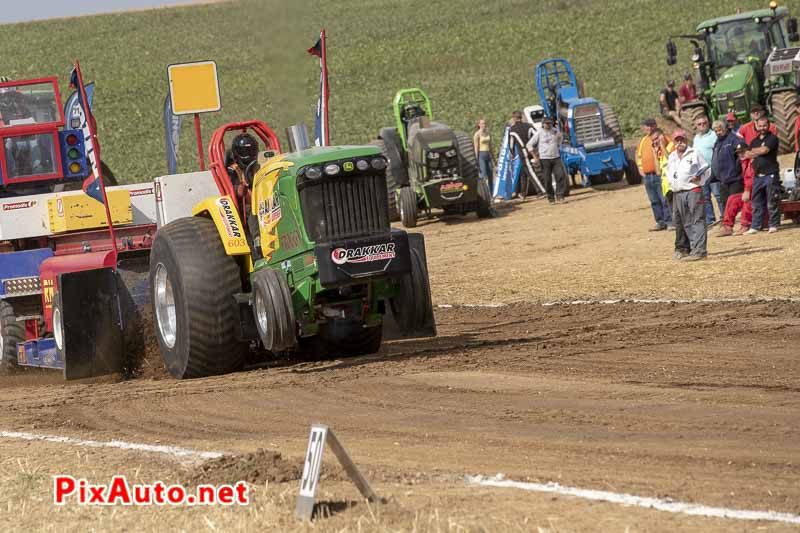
column 592, row 136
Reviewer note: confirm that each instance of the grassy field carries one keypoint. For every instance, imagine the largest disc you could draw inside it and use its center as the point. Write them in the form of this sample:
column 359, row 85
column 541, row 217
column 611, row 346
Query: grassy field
column 474, row 58
column 259, row 46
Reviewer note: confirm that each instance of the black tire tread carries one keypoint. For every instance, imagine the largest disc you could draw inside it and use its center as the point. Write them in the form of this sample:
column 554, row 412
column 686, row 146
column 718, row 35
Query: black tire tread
column 207, row 279
column 484, row 209
column 342, row 339
column 784, row 114
column 408, row 201
column 688, row 117
column 391, row 182
column 13, row 332
column 611, row 122
column 469, row 163
column 632, row 175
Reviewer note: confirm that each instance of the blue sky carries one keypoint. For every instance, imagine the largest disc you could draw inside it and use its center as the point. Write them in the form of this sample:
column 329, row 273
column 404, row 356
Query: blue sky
column 22, row 10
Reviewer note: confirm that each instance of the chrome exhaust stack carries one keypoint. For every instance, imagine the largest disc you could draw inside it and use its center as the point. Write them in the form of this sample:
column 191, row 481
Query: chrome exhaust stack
column 297, row 136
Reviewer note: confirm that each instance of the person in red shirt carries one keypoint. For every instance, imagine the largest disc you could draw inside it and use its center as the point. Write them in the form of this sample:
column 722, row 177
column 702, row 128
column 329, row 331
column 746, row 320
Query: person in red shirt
column 741, row 201
column 687, row 90
column 749, row 132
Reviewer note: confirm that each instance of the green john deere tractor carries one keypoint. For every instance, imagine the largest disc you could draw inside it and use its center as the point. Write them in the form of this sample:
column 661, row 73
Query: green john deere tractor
column 301, row 259
column 431, row 166
column 734, row 59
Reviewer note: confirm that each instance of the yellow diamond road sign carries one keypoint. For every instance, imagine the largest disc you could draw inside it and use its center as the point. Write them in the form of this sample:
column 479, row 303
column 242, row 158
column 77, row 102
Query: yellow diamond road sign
column 194, row 87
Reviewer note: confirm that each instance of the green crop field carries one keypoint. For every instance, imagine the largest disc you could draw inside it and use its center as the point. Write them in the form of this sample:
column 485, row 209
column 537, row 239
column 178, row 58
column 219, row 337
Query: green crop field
column 474, row 58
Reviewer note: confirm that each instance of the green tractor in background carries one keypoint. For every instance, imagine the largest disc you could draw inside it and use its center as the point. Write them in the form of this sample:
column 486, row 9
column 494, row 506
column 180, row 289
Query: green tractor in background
column 431, row 166
column 733, row 59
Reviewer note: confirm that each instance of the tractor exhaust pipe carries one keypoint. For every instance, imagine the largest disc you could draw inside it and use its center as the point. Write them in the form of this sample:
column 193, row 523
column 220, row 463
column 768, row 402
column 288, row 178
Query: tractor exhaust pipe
column 297, row 136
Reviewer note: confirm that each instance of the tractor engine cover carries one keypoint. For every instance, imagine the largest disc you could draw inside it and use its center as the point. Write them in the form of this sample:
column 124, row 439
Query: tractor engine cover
column 349, row 261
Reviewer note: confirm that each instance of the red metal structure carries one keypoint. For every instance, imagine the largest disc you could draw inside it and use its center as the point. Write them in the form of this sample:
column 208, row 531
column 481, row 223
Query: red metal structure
column 64, row 285
column 216, row 154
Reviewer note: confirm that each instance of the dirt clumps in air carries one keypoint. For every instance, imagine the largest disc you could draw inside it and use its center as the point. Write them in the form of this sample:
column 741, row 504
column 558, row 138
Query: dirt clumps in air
column 142, row 356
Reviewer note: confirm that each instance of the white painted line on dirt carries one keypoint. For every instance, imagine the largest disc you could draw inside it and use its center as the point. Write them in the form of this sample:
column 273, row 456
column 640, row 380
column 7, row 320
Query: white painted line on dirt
column 448, row 306
column 632, row 301
column 175, row 451
column 637, row 501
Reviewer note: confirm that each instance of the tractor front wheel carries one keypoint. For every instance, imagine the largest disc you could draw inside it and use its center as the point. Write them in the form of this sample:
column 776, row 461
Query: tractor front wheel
column 412, row 306
column 192, row 283
column 274, row 314
column 408, row 207
column 11, row 332
column 485, row 209
column 632, row 175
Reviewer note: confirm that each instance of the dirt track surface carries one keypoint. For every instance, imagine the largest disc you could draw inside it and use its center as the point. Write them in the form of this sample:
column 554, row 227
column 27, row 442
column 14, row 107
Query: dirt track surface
column 696, row 402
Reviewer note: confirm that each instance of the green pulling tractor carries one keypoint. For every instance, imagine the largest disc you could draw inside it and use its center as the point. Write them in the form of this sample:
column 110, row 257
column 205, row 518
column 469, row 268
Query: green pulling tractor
column 293, row 253
column 431, row 166
column 739, row 61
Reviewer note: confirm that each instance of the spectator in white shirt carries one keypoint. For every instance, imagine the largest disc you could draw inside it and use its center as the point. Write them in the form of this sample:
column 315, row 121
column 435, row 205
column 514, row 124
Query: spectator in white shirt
column 687, row 172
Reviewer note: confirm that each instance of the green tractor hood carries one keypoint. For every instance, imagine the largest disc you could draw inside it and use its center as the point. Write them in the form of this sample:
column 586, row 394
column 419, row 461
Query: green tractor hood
column 734, row 79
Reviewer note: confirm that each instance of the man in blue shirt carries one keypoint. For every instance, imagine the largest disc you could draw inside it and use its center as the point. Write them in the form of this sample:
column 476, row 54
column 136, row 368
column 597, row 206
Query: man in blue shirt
column 704, row 141
column 727, row 168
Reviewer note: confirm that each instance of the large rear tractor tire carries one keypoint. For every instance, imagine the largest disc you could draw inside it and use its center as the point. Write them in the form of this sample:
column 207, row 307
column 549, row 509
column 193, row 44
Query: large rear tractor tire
column 611, row 122
column 408, row 207
column 274, row 313
column 11, row 332
column 396, row 173
column 192, row 284
column 784, row 113
column 485, row 209
column 469, row 163
column 412, row 306
column 688, row 117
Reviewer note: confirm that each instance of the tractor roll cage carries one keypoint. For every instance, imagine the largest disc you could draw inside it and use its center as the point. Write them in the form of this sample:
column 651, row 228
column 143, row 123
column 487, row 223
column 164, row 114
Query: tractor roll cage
column 555, row 79
column 216, row 153
column 406, row 97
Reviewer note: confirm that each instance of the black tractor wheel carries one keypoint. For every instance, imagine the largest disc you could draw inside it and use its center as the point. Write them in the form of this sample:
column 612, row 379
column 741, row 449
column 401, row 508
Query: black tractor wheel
column 408, row 207
column 469, row 163
column 274, row 313
column 342, row 338
column 688, row 117
column 412, row 306
column 784, row 114
column 611, row 122
column 485, row 209
column 632, row 175
column 598, row 179
column 396, row 172
column 192, row 283
column 11, row 332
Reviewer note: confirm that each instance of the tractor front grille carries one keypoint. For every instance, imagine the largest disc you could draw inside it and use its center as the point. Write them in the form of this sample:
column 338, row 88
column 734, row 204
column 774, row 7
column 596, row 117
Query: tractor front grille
column 588, row 129
column 345, row 207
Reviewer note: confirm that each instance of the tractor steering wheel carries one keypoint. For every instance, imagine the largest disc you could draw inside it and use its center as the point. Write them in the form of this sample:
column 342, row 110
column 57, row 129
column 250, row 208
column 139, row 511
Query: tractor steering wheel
column 250, row 172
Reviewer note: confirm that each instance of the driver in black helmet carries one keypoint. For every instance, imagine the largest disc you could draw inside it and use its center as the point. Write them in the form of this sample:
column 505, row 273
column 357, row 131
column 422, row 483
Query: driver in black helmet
column 244, row 151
